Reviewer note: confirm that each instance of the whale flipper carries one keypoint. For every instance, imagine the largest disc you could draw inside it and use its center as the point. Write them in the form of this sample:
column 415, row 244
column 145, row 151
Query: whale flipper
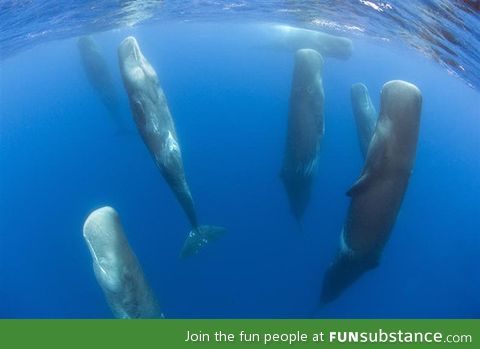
column 199, row 237
column 361, row 184
column 377, row 154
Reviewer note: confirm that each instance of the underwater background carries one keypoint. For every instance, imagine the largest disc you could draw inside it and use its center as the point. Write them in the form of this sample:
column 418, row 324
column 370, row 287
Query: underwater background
column 62, row 156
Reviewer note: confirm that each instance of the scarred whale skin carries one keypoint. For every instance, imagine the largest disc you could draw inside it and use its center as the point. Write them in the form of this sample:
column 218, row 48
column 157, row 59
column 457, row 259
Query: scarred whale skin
column 305, row 129
column 377, row 195
column 99, row 76
column 293, row 39
column 116, row 268
column 365, row 115
column 155, row 123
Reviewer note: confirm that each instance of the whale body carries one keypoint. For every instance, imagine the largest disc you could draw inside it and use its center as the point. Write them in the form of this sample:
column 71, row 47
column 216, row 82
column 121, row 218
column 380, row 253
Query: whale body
column 116, row 267
column 377, row 195
column 305, row 129
column 290, row 38
column 155, row 123
column 98, row 74
column 365, row 115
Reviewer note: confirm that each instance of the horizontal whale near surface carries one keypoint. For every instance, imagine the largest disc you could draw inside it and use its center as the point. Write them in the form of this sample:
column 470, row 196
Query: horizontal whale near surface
column 377, row 195
column 285, row 37
column 116, row 268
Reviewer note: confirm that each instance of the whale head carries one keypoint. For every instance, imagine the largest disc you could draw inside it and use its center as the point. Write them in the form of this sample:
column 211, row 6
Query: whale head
column 137, row 72
column 401, row 103
column 103, row 234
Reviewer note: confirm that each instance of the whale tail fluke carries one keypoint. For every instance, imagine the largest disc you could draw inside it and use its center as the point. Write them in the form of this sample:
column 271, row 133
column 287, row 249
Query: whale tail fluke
column 199, row 237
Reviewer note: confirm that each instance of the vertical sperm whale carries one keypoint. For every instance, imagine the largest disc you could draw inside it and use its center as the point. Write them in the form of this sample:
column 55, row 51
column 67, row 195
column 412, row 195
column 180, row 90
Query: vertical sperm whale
column 365, row 115
column 377, row 195
column 305, row 130
column 155, row 123
column 116, row 267
column 99, row 76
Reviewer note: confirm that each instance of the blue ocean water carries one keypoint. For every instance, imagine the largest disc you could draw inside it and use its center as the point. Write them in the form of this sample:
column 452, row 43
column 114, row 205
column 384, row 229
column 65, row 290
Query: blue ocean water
column 61, row 156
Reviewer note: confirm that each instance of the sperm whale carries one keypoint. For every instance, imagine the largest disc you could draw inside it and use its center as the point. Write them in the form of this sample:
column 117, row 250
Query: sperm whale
column 156, row 126
column 377, row 195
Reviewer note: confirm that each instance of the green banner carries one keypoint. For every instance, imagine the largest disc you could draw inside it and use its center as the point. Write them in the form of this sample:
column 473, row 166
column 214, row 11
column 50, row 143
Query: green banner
column 175, row 334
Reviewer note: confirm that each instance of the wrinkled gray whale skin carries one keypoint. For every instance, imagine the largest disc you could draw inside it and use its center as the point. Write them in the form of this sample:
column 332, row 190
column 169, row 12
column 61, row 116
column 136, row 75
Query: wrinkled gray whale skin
column 293, row 39
column 116, row 268
column 305, row 130
column 154, row 122
column 365, row 115
column 99, row 76
column 377, row 195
